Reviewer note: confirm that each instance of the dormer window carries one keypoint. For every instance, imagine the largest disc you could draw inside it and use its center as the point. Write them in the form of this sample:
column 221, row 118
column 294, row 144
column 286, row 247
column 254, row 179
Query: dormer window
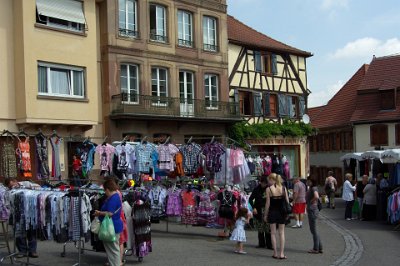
column 388, row 99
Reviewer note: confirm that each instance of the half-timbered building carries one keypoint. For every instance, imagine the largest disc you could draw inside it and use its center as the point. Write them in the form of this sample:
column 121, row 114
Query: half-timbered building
column 269, row 81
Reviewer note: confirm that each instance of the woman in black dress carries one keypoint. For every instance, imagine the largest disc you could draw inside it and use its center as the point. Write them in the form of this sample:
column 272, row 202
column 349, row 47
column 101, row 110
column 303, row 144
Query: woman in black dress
column 274, row 212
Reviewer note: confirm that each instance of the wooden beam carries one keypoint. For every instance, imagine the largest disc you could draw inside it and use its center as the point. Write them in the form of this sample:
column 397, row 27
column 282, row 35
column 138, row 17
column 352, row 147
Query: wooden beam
column 289, row 60
column 237, row 64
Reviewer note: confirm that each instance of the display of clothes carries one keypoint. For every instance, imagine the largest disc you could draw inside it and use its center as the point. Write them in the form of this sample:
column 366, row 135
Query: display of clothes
column 206, row 213
column 106, row 153
column 212, row 152
column 125, row 156
column 24, row 157
column 4, row 204
column 286, row 168
column 189, row 215
column 174, row 202
column 393, row 207
column 190, row 152
column 157, row 196
column 143, row 154
column 8, row 161
column 227, row 201
column 142, row 227
column 55, row 142
column 234, row 168
column 166, row 154
column 86, row 153
column 42, row 156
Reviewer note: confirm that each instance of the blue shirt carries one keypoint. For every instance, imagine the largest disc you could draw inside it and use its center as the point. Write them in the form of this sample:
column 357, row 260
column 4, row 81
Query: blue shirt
column 111, row 205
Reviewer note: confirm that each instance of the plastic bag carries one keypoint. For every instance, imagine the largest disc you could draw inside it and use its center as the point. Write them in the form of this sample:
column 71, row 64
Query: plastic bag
column 107, row 232
column 95, row 226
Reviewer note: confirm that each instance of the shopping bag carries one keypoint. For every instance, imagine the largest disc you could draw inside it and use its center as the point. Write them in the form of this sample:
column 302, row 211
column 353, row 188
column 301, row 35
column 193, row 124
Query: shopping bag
column 107, row 232
column 95, row 226
column 356, row 207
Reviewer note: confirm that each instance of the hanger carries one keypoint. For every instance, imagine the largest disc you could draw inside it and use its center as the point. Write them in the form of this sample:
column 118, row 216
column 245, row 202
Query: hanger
column 123, row 142
column 7, row 133
column 167, row 141
column 40, row 134
column 212, row 140
column 22, row 133
column 190, row 140
column 104, row 141
column 55, row 134
column 143, row 141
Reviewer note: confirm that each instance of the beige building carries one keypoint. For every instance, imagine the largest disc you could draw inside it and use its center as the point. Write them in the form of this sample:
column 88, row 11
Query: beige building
column 268, row 79
column 49, row 71
column 165, row 69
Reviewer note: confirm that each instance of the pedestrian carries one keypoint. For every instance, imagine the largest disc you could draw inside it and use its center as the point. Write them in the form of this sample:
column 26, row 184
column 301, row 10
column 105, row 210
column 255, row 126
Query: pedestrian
column 313, row 212
column 360, row 191
column 330, row 189
column 299, row 202
column 112, row 207
column 348, row 196
column 26, row 245
column 275, row 214
column 239, row 234
column 369, row 206
column 76, row 170
column 257, row 202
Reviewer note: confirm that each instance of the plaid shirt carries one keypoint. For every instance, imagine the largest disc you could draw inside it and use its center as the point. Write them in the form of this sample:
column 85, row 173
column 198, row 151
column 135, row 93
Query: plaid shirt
column 143, row 157
column 213, row 152
column 166, row 155
column 190, row 154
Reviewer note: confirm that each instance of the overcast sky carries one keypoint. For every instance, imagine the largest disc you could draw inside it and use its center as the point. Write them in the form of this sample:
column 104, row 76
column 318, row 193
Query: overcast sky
column 342, row 34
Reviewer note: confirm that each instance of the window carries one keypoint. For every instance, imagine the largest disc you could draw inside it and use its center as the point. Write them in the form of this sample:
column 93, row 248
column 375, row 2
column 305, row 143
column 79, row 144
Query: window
column 129, row 83
column 66, row 14
column 128, row 18
column 379, row 135
column 257, row 61
column 210, row 34
column 186, row 87
column 211, row 91
column 245, row 103
column 158, row 22
column 388, row 99
column 293, row 101
column 60, row 80
column 159, row 86
column 185, row 29
column 397, row 133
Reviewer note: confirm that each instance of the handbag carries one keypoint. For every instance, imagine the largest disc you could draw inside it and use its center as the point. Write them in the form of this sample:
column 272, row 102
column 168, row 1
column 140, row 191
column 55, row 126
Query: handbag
column 319, row 205
column 95, row 226
column 287, row 208
column 107, row 231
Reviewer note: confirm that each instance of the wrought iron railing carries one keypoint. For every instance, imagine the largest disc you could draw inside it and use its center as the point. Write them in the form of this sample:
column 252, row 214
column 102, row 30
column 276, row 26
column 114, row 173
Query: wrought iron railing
column 154, row 106
column 186, row 43
column 158, row 38
column 128, row 33
column 210, row 47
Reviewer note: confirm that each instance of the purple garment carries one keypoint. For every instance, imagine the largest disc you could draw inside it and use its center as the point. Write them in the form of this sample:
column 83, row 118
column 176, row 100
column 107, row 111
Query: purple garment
column 174, row 204
column 213, row 152
column 190, row 154
column 286, row 169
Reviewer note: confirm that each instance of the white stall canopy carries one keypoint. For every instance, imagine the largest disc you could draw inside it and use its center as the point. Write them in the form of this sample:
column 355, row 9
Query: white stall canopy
column 354, row 155
column 391, row 156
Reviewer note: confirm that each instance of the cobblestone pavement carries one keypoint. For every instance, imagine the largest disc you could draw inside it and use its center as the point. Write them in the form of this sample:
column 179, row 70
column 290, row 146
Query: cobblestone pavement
column 345, row 243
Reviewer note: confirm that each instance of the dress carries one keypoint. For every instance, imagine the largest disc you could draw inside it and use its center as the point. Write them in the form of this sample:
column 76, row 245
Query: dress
column 239, row 234
column 275, row 213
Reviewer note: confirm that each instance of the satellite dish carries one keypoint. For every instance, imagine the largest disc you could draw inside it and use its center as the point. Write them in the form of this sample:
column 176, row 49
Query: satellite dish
column 306, row 119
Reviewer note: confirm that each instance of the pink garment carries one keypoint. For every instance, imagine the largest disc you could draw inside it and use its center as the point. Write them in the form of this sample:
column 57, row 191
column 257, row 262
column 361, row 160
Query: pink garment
column 106, row 153
column 206, row 212
column 236, row 157
column 166, row 155
column 286, row 169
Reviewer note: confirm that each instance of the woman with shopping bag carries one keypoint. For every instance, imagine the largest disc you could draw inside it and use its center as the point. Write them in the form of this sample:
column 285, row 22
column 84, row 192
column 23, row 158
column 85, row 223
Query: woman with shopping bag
column 110, row 218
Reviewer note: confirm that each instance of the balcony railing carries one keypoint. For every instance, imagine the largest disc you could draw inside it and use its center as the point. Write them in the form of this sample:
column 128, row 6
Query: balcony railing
column 210, row 47
column 168, row 107
column 185, row 43
column 158, row 38
column 128, row 33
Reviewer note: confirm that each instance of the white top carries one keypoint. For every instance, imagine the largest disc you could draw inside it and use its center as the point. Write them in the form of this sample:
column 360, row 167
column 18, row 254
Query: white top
column 348, row 190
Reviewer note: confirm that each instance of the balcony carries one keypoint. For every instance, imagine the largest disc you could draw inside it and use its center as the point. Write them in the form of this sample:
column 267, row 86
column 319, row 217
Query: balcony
column 153, row 107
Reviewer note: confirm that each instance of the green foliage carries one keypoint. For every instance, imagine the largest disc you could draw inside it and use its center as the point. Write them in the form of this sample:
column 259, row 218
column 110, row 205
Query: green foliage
column 242, row 131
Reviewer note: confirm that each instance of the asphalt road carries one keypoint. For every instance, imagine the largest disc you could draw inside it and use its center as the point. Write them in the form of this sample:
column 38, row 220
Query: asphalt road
column 345, row 243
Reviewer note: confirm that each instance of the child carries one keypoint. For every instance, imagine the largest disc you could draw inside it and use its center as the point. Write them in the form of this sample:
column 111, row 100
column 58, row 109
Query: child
column 238, row 233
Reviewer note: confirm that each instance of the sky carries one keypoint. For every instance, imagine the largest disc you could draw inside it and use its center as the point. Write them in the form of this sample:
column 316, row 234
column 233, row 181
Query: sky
column 342, row 35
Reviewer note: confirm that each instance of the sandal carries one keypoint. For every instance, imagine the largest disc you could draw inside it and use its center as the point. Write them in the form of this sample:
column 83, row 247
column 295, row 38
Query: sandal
column 283, row 258
column 313, row 251
column 275, row 257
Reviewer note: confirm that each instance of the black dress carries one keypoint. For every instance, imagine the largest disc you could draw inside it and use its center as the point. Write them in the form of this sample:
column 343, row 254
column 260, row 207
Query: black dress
column 275, row 212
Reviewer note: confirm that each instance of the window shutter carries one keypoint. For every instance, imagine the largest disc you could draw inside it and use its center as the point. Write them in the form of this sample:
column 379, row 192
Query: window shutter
column 267, row 109
column 290, row 108
column 257, row 104
column 236, row 96
column 283, row 105
column 274, row 64
column 257, row 61
column 397, row 134
column 302, row 106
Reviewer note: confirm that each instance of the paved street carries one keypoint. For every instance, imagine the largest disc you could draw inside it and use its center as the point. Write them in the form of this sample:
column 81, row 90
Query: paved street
column 345, row 243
